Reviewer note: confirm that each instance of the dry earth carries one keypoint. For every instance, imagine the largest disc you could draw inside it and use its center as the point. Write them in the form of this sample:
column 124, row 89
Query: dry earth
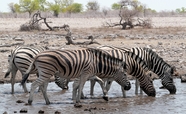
column 167, row 38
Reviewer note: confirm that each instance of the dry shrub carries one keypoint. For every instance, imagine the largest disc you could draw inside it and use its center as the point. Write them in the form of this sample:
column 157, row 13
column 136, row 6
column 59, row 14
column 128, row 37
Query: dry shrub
column 145, row 23
column 30, row 27
column 148, row 23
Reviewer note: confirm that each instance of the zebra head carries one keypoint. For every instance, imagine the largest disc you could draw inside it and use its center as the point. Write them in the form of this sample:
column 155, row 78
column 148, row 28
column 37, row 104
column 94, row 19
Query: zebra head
column 121, row 78
column 148, row 88
column 167, row 81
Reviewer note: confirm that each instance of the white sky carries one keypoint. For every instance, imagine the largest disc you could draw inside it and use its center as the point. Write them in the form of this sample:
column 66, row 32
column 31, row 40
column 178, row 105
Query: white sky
column 158, row 5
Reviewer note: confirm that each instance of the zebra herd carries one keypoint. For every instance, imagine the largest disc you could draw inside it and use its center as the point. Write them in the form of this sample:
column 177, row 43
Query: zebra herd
column 102, row 64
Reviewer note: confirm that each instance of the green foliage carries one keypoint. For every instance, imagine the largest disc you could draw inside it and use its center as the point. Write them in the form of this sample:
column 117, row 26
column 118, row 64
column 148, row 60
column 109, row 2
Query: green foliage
column 17, row 8
column 64, row 6
column 29, row 6
column 42, row 5
column 151, row 10
column 116, row 6
column 181, row 10
column 66, row 3
column 75, row 8
column 93, row 5
column 55, row 7
column 14, row 7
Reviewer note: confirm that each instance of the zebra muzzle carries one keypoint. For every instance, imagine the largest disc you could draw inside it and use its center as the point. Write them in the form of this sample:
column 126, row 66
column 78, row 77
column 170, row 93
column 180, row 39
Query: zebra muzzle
column 127, row 87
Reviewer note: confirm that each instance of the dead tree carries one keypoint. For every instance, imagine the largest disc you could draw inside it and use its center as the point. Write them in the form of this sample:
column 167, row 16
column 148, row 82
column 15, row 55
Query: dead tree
column 126, row 15
column 70, row 40
column 35, row 24
column 144, row 23
column 128, row 10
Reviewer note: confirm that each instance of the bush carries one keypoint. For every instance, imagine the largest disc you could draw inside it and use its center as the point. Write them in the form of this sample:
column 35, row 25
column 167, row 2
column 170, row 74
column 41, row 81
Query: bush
column 30, row 27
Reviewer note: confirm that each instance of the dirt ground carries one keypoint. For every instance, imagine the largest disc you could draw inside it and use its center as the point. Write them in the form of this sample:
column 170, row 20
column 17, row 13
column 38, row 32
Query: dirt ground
column 167, row 38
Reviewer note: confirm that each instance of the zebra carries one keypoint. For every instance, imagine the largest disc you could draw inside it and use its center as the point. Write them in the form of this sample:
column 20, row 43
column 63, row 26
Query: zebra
column 80, row 63
column 20, row 59
column 156, row 64
column 135, row 67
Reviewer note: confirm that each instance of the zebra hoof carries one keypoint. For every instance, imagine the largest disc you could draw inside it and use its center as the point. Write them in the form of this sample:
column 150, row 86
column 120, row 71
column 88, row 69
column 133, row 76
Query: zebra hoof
column 29, row 102
column 65, row 88
column 47, row 103
column 162, row 87
column 105, row 98
column 77, row 105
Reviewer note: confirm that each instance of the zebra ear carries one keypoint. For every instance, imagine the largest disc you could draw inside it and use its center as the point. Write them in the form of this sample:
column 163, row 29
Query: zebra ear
column 171, row 70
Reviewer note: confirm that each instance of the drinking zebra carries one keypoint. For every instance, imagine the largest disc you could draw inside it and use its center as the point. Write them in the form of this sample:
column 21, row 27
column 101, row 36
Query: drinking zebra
column 69, row 64
column 135, row 67
column 20, row 59
column 155, row 64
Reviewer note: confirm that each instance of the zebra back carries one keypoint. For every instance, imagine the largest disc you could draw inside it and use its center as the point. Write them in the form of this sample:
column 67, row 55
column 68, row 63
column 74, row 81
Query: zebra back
column 70, row 63
column 21, row 57
column 24, row 56
column 128, row 52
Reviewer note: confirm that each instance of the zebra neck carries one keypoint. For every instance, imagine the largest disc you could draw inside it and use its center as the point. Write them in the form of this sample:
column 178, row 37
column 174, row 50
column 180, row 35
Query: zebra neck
column 161, row 69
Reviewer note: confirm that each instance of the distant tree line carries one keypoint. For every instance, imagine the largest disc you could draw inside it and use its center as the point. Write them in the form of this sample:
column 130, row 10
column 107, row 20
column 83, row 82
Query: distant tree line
column 57, row 6
column 69, row 7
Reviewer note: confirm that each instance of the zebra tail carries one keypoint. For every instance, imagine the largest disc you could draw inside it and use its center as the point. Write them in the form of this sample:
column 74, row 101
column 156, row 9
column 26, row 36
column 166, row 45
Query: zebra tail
column 10, row 61
column 26, row 75
column 7, row 74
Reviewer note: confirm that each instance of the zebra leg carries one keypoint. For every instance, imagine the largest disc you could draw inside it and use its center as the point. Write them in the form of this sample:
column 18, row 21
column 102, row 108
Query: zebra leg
column 75, row 87
column 101, row 83
column 141, row 91
column 81, row 84
column 39, row 86
column 24, row 85
column 14, row 71
column 109, row 83
column 123, row 91
column 44, row 89
column 136, row 86
column 38, row 82
column 92, row 84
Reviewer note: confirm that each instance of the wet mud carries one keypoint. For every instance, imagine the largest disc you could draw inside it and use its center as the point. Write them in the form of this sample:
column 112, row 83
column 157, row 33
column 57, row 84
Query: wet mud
column 61, row 101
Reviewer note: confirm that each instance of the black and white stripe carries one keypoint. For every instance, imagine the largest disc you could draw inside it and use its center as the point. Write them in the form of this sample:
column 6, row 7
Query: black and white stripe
column 20, row 59
column 81, row 64
column 135, row 67
column 157, row 65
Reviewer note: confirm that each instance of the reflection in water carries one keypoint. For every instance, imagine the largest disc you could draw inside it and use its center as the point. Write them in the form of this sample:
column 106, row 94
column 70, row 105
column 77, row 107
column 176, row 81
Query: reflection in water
column 61, row 100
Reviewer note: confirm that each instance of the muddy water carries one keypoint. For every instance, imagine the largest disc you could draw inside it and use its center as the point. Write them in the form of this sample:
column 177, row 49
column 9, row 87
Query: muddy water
column 61, row 101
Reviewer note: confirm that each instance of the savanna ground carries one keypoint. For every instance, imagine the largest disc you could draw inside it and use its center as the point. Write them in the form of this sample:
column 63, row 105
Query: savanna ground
column 167, row 38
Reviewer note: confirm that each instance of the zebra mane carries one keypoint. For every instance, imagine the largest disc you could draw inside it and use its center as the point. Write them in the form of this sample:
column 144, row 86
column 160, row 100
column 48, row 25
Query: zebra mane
column 150, row 51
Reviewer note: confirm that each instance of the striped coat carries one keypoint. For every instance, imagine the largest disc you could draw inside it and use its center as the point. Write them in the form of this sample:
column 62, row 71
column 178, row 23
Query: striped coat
column 20, row 59
column 69, row 64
